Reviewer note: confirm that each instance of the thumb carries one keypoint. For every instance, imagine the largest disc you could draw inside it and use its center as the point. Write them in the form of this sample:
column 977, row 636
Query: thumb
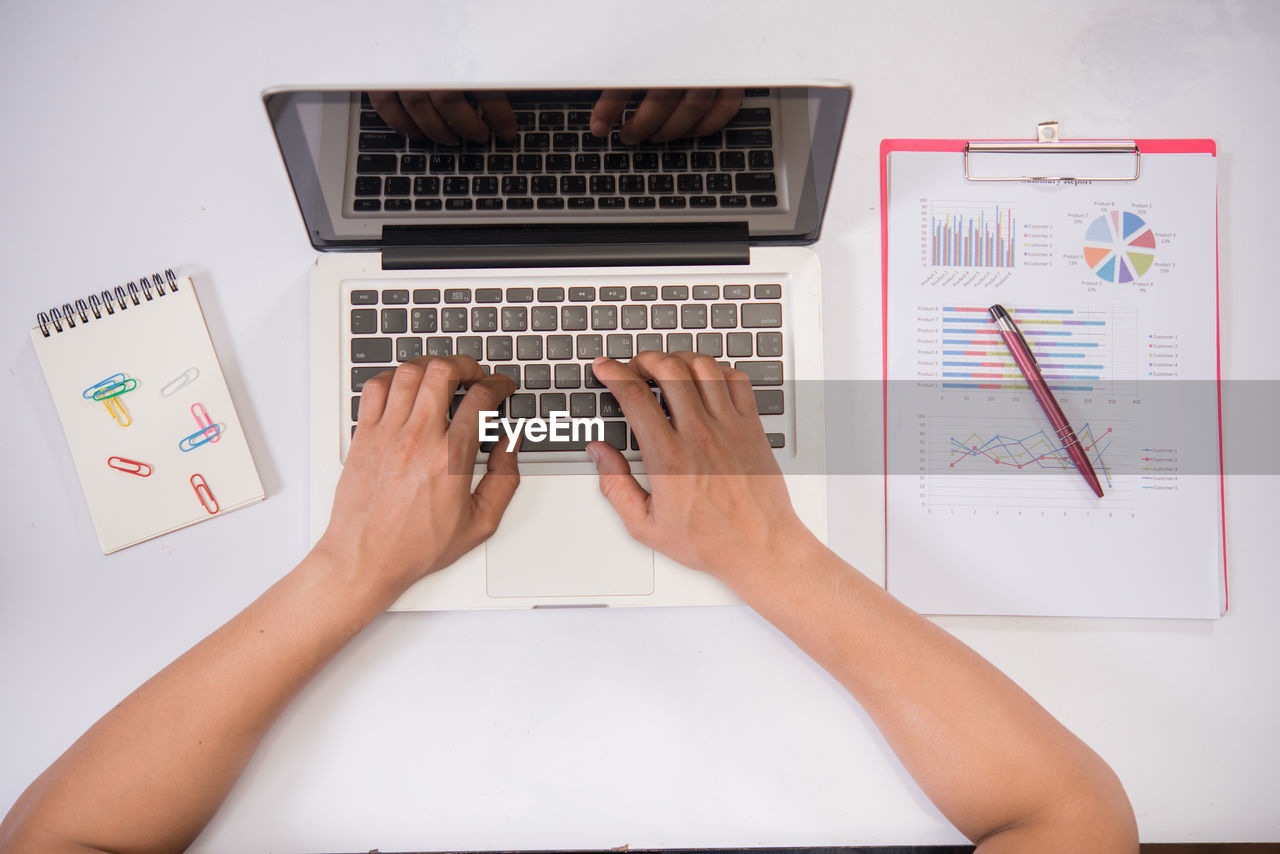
column 623, row 492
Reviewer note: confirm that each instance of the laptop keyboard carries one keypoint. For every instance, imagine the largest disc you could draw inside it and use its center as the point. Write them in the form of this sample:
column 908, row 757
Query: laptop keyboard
column 555, row 163
column 545, row 338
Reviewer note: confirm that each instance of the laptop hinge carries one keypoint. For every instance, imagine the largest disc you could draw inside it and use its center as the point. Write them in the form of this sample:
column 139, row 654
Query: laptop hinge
column 425, row 247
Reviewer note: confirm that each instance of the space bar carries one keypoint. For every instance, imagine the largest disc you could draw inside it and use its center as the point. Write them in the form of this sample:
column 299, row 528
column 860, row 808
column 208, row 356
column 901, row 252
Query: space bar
column 615, row 433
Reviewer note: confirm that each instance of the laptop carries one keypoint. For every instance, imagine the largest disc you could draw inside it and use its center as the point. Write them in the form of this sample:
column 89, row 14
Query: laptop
column 536, row 248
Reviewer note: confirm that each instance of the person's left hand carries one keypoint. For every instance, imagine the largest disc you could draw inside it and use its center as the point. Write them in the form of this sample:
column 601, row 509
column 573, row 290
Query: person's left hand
column 665, row 114
column 404, row 506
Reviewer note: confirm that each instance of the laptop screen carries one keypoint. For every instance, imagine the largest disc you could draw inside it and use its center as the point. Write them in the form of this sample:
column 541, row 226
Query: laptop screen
column 361, row 160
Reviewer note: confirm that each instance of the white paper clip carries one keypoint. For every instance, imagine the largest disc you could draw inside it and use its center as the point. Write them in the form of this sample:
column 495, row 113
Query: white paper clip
column 180, row 382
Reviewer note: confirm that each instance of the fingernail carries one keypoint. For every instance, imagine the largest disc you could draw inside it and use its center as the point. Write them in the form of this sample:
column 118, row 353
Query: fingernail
column 594, row 453
column 599, row 127
column 600, row 360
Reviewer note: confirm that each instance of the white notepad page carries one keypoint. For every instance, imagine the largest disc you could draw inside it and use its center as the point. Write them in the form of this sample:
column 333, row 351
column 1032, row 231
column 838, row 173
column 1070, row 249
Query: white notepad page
column 152, row 342
column 1114, row 284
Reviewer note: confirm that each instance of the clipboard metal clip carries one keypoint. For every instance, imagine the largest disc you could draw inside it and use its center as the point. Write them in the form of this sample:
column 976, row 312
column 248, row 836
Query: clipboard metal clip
column 1047, row 150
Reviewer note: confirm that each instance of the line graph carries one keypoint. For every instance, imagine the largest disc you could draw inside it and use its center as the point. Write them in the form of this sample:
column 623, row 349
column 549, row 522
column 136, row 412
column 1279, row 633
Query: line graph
column 1037, row 450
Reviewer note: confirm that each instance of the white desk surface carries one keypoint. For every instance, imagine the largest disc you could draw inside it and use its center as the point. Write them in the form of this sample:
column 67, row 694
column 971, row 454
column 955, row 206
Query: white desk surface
column 136, row 139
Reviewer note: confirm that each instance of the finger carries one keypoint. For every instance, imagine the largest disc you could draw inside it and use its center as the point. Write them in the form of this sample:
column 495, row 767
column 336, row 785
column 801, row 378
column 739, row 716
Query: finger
column 483, row 395
column 419, row 106
column 460, row 115
column 740, row 392
column 623, row 492
column 497, row 113
column 404, row 388
column 608, row 110
column 653, row 111
column 638, row 403
column 373, row 398
column 389, row 108
column 495, row 490
column 673, row 377
column 708, row 379
column 695, row 104
column 725, row 107
column 443, row 376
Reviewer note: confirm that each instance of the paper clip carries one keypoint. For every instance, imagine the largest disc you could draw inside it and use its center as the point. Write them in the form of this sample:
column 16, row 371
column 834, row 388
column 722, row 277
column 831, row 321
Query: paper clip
column 202, row 418
column 204, row 493
column 115, row 390
column 200, row 437
column 92, row 390
column 129, row 466
column 180, row 382
column 117, row 410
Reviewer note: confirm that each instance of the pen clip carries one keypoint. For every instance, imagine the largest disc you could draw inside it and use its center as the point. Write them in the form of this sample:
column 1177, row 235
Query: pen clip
column 1005, row 321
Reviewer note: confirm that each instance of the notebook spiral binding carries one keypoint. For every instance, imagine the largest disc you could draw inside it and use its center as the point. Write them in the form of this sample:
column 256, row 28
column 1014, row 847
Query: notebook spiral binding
column 107, row 301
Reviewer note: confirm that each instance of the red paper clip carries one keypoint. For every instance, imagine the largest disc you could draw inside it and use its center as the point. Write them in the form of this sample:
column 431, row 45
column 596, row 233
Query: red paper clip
column 202, row 418
column 204, row 493
column 129, row 466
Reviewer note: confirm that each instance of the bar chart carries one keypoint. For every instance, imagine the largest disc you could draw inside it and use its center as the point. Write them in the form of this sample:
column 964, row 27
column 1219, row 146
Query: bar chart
column 966, row 235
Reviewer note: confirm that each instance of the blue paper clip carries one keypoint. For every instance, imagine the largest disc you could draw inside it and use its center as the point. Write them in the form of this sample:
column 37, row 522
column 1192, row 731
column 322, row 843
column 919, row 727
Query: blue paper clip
column 202, row 436
column 115, row 390
column 114, row 379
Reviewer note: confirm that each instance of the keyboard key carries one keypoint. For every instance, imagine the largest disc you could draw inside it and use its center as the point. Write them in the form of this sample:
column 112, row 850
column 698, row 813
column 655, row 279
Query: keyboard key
column 529, row 163
column 754, row 182
column 489, row 204
column 748, row 138
column 408, row 348
column 769, row 401
column 719, row 183
column 604, row 317
column 582, row 294
column 668, row 202
column 711, row 140
column 737, row 292
column 661, row 183
column 582, row 404
column 488, row 294
column 589, row 378
column 768, row 291
column 528, row 347
column 703, row 161
column 609, row 406
column 367, row 205
column 756, row 315
column 364, row 297
column 371, row 349
column 550, row 204
column 397, row 186
column 559, row 163
column 422, row 320
column 501, row 163
column 395, row 297
column 679, row 341
column 618, row 346
column 702, row 201
column 519, row 294
column 457, row 186
column 710, row 344
column 519, row 203
column 544, row 318
column 644, row 292
column 674, row 292
column 364, row 321
column 426, row 296
column 644, row 161
column 689, row 183
column 602, row 185
column 454, row 295
column 767, row 201
column 515, row 318
column 581, row 203
column 617, row 162
column 590, row 346
column 441, row 164
column 366, row 163
column 427, row 204
column 760, row 159
column 733, row 201
column 397, row 205
column 484, row 319
column 355, row 408
column 749, row 116
column 559, row 346
column 634, row 317
column 586, row 163
column 706, row 292
column 439, row 346
column 486, row 185
column 675, row 161
column 776, row 440
column 573, row 185
column 498, row 348
column 738, row 344
column 543, row 185
column 550, row 294
column 512, row 371
column 381, row 142
column 732, row 160
column 453, row 319
column 662, row 317
column 470, row 163
column 537, row 376
column 611, row 202
column 693, row 316
column 591, row 141
column 514, row 185
column 761, row 373
column 394, row 320
column 573, row 318
column 630, row 184
column 614, row 293
column 724, row 315
column 522, row 406
column 568, row 375
column 537, row 141
column 768, row 343
column 648, row 341
column 360, row 376
column 426, row 186
column 368, row 185
column 551, row 120
column 471, row 345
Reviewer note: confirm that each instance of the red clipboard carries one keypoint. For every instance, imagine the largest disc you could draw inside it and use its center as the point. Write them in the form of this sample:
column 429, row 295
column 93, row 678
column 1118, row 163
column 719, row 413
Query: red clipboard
column 1047, row 137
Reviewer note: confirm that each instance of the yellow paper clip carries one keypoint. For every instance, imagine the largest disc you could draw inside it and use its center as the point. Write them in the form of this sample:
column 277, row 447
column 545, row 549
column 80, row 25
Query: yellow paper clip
column 117, row 410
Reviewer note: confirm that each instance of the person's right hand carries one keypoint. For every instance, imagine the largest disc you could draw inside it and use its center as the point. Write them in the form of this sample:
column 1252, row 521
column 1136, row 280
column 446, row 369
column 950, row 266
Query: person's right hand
column 446, row 116
column 665, row 114
column 718, row 502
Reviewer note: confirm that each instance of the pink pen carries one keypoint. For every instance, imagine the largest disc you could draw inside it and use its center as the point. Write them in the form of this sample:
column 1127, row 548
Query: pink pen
column 1031, row 371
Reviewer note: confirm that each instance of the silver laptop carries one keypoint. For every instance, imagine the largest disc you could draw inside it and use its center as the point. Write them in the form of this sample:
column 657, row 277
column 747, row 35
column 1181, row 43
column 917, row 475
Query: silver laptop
column 540, row 245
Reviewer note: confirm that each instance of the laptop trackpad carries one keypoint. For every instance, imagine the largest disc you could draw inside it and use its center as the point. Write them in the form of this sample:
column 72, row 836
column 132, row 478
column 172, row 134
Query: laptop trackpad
column 560, row 537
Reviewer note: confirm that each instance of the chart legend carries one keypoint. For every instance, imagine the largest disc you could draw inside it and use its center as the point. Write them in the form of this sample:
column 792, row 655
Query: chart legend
column 1119, row 247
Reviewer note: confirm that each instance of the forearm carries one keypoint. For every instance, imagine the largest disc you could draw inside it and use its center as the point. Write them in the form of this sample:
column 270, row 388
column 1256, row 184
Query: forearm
column 152, row 771
column 984, row 751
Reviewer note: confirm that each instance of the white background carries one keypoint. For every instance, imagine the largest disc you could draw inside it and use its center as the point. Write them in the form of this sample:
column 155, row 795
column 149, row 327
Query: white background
column 135, row 139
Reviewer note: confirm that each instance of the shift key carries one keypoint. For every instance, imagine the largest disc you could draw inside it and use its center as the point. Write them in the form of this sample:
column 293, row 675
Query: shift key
column 761, row 373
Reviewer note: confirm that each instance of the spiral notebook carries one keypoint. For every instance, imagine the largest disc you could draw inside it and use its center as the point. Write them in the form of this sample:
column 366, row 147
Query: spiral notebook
column 153, row 433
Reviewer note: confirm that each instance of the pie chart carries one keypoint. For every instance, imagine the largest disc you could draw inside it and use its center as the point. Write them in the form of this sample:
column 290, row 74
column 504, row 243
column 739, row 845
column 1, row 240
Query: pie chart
column 1119, row 246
